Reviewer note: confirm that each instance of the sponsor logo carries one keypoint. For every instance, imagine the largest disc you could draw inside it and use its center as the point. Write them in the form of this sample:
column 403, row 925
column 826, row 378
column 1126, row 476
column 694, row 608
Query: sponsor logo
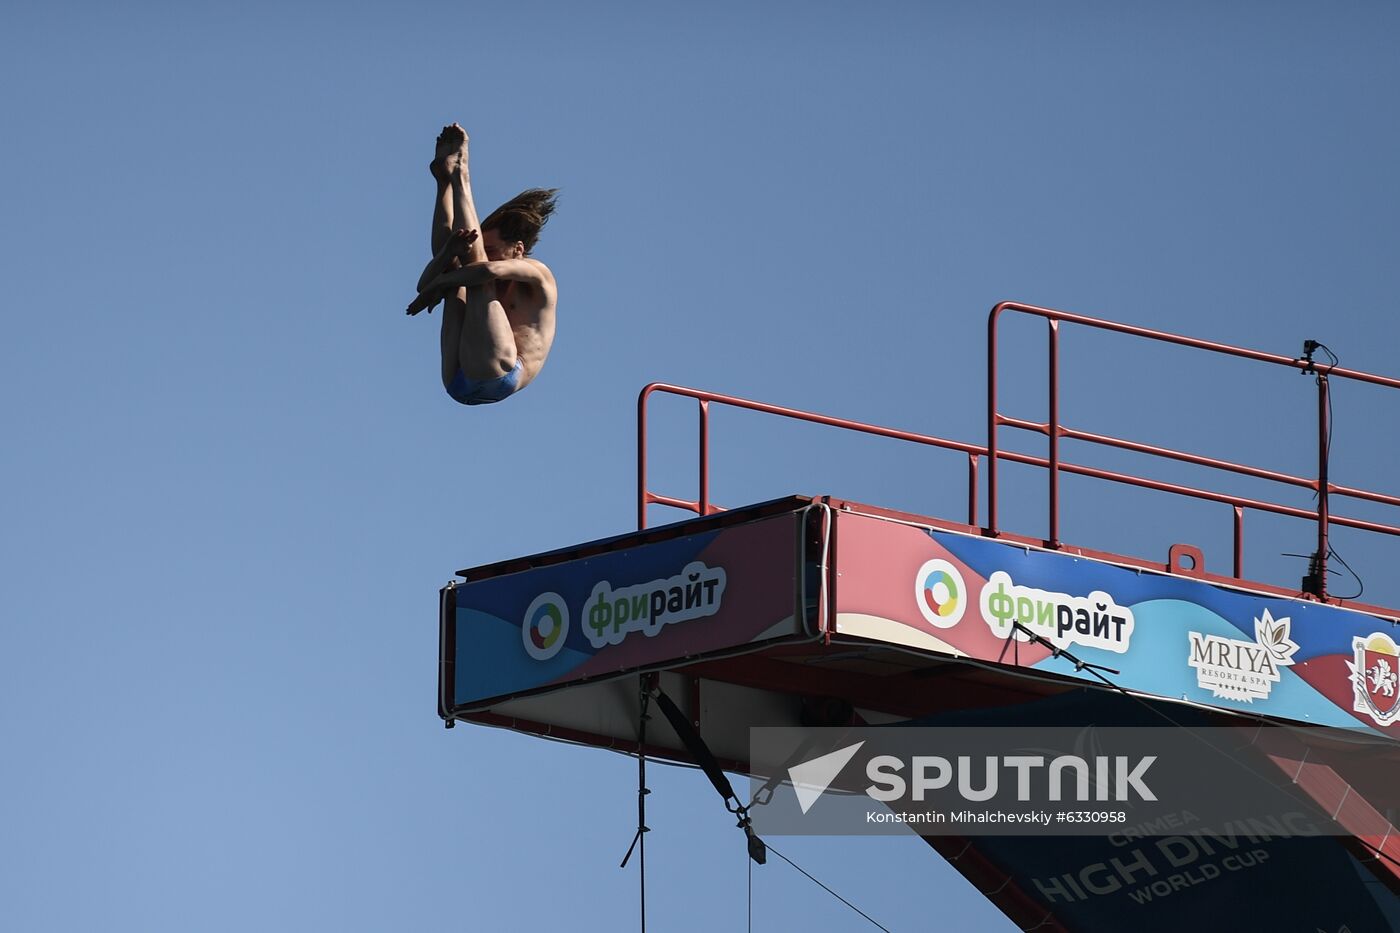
column 1375, row 677
column 940, row 593
column 1245, row 671
column 1095, row 621
column 545, row 627
column 694, row 593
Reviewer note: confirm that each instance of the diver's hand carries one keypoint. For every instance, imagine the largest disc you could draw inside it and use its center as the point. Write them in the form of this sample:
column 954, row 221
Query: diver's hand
column 426, row 300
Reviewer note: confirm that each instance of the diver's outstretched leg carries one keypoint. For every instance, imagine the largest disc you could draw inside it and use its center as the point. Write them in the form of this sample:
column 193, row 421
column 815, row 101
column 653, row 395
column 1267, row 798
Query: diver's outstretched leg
column 447, row 154
column 477, row 339
column 459, row 179
column 486, row 349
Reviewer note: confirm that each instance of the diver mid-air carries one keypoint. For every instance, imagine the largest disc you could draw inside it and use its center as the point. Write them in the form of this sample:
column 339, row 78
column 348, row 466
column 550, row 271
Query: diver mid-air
column 498, row 302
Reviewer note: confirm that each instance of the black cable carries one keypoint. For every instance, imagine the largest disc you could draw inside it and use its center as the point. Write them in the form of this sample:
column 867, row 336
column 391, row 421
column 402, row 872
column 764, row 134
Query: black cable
column 1327, row 449
column 1331, row 423
column 639, row 841
column 1361, row 585
column 685, row 730
column 1311, row 558
column 642, row 830
column 828, row 890
column 1336, row 360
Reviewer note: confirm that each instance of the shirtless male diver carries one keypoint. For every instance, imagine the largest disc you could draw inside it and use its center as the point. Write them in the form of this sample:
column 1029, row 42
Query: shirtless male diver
column 498, row 303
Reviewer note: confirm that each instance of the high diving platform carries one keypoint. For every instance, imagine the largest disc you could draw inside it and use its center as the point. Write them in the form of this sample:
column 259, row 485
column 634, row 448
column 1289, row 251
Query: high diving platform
column 821, row 611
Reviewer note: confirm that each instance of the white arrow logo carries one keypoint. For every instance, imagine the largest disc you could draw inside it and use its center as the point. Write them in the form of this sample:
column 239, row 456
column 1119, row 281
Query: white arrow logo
column 811, row 778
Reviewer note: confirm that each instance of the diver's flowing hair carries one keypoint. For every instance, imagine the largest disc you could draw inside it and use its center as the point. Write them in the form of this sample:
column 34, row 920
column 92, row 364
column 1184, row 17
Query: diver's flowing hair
column 522, row 217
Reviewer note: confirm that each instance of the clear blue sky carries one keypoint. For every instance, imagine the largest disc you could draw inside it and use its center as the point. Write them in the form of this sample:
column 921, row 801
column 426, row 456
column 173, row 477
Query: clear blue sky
column 232, row 484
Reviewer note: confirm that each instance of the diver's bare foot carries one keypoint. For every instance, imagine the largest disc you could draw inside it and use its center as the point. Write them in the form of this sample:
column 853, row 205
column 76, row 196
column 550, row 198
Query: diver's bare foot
column 450, row 155
column 439, row 150
column 461, row 135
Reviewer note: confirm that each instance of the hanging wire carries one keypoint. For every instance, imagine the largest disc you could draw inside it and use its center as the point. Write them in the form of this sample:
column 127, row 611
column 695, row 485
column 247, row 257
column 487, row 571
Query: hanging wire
column 1336, row 360
column 749, row 862
column 639, row 841
column 872, row 920
column 1331, row 424
column 1360, row 584
column 1332, row 552
column 1319, row 375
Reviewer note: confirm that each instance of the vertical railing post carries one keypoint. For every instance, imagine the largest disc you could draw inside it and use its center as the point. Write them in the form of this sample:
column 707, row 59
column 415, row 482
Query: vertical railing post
column 1239, row 542
column 704, row 501
column 642, row 458
column 1054, row 419
column 992, row 420
column 1324, row 432
column 972, row 490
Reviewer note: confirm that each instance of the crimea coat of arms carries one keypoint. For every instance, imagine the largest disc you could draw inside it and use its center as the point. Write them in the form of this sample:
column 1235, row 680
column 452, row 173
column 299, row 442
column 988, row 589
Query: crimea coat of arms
column 1375, row 677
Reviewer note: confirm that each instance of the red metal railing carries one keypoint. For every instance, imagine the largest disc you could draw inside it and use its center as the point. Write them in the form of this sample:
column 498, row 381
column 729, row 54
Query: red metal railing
column 703, row 506
column 1055, row 430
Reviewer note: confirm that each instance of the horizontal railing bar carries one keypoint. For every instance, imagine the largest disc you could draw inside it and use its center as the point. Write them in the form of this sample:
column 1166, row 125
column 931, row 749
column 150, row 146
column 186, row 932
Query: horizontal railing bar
column 1366, row 494
column 1165, row 452
column 1197, row 343
column 799, row 415
column 1190, row 492
column 688, row 505
column 1363, row 525
column 1228, row 465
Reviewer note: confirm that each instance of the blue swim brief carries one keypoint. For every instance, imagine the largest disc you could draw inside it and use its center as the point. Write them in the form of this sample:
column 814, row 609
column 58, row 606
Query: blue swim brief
column 484, row 391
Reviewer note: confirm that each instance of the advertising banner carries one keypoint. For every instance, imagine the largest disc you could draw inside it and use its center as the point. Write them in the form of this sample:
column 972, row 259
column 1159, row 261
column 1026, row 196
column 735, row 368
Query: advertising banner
column 663, row 601
column 1163, row 635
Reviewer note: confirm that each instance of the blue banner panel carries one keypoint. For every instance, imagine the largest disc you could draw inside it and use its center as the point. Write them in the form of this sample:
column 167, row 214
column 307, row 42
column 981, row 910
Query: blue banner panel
column 640, row 607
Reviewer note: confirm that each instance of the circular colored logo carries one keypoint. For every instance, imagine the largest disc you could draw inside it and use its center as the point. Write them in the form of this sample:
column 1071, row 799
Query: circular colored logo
column 940, row 592
column 546, row 626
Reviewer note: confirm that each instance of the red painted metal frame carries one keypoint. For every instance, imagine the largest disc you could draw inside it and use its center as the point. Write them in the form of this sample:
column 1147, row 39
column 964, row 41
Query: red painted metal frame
column 1055, row 430
column 1054, row 464
column 703, row 506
